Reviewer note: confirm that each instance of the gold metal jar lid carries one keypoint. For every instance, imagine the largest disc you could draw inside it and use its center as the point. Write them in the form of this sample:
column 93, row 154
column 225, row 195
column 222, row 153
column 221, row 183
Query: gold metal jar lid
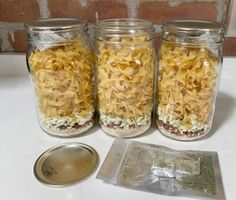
column 66, row 164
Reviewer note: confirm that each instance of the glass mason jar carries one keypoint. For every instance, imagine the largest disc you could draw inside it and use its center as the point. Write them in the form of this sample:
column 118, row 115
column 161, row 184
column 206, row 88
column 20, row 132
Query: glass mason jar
column 60, row 62
column 188, row 78
column 125, row 62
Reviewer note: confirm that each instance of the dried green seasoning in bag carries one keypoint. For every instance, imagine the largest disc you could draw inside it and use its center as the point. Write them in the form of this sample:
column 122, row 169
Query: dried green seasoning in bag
column 162, row 170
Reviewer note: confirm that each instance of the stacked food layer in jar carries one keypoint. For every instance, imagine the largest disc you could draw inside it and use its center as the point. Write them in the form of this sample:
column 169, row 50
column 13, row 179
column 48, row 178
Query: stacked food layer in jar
column 61, row 66
column 125, row 76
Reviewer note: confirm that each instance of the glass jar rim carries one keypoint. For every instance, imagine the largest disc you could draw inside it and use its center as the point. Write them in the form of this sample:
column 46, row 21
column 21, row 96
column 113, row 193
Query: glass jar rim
column 57, row 25
column 193, row 30
column 122, row 23
column 123, row 27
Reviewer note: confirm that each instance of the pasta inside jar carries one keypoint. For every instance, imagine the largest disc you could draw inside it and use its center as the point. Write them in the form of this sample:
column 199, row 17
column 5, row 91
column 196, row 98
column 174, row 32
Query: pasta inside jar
column 62, row 78
column 188, row 77
column 187, row 84
column 125, row 77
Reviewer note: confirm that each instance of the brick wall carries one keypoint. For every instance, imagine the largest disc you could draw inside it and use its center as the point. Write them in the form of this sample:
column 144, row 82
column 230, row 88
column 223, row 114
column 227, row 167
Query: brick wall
column 14, row 13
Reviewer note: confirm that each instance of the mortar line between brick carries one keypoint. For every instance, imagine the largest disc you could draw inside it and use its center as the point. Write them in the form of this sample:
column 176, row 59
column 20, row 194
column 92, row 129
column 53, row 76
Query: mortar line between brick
column 83, row 3
column 7, row 29
column 6, row 46
column 221, row 8
column 181, row 1
column 132, row 6
column 11, row 26
column 43, row 8
column 174, row 3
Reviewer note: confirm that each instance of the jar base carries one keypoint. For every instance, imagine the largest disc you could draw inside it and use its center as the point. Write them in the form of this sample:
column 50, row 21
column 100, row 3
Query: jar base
column 124, row 133
column 68, row 132
column 182, row 137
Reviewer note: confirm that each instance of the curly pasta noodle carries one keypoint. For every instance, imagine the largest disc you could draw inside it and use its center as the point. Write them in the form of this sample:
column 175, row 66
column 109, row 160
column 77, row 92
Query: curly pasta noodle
column 125, row 78
column 62, row 77
column 186, row 87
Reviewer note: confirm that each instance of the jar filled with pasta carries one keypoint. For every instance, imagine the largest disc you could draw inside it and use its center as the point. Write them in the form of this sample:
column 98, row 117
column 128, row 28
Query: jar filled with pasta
column 188, row 78
column 60, row 62
column 125, row 62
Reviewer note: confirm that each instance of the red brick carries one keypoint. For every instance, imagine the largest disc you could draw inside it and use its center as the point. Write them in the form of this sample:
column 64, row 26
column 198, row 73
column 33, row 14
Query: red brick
column 69, row 8
column 159, row 12
column 19, row 10
column 18, row 40
column 229, row 46
column 72, row 8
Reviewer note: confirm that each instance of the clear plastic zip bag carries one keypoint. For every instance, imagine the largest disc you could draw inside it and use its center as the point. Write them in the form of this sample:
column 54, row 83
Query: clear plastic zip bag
column 162, row 170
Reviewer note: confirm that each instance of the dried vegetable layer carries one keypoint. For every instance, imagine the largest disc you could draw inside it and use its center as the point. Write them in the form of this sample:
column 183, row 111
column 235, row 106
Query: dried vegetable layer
column 62, row 77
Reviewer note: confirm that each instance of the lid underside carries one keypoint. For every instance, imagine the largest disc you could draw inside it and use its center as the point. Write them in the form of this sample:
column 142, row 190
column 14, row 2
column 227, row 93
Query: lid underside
column 66, row 164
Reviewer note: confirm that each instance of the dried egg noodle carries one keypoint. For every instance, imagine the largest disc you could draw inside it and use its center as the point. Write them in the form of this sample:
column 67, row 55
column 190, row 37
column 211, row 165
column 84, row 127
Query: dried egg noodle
column 63, row 84
column 186, row 89
column 125, row 83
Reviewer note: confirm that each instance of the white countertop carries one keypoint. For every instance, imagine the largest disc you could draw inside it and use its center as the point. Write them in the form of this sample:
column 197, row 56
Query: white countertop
column 22, row 141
